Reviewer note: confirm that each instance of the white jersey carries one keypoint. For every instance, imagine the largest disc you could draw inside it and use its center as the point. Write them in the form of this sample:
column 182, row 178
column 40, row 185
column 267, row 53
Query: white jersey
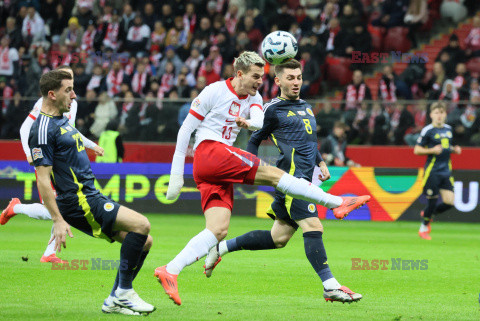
column 71, row 115
column 217, row 106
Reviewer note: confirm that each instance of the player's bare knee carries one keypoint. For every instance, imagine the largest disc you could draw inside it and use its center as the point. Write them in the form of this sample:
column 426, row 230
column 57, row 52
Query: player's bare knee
column 281, row 240
column 148, row 244
column 280, row 243
column 143, row 226
column 220, row 233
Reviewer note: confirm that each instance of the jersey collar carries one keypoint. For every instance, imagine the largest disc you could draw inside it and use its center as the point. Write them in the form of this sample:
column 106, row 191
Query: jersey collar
column 229, row 85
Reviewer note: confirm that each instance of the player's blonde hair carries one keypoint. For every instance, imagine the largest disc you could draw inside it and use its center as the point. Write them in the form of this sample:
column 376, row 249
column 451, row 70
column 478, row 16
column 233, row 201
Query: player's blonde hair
column 438, row 105
column 246, row 60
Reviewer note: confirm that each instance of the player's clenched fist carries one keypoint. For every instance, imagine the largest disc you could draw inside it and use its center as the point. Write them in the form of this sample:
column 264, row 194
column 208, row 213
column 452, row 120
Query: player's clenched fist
column 174, row 186
column 437, row 150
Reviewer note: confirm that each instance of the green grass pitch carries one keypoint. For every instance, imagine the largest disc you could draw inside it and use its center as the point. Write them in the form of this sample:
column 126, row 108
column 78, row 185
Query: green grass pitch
column 263, row 285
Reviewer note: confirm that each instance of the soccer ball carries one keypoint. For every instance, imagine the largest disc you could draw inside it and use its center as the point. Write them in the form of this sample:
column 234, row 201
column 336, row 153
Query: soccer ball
column 279, row 47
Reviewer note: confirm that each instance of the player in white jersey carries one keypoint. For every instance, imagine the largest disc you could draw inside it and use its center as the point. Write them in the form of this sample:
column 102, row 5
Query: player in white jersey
column 218, row 114
column 37, row 210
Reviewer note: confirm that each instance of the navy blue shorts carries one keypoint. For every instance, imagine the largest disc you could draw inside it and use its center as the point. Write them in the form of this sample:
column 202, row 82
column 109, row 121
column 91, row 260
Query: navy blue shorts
column 290, row 209
column 94, row 215
column 435, row 182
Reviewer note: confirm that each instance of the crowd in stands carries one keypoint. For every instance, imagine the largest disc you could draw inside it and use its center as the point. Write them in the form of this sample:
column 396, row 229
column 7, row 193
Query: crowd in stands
column 392, row 120
column 145, row 51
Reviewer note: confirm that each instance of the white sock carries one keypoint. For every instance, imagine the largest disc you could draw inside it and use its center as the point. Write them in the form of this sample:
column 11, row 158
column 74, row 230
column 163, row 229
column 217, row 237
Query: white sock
column 304, row 190
column 423, row 227
column 50, row 247
column 331, row 284
column 36, row 210
column 119, row 291
column 109, row 300
column 222, row 248
column 197, row 248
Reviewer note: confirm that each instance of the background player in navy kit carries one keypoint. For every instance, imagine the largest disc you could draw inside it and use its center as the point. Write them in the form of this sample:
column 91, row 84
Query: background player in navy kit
column 290, row 123
column 57, row 150
column 435, row 141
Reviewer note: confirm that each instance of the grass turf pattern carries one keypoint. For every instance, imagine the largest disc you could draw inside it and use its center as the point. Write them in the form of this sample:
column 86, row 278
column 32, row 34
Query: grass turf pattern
column 263, row 285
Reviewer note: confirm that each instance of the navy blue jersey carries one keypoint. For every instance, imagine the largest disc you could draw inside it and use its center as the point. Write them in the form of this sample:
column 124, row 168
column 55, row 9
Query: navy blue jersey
column 54, row 142
column 431, row 136
column 292, row 127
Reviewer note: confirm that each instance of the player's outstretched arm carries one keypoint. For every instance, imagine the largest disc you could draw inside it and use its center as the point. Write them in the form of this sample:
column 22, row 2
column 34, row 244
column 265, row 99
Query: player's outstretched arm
column 457, row 149
column 60, row 227
column 256, row 119
column 325, row 173
column 24, row 133
column 178, row 162
column 269, row 124
column 91, row 145
column 435, row 150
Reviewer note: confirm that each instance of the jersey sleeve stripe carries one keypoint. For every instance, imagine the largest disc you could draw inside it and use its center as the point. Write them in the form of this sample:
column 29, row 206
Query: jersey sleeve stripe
column 32, row 117
column 197, row 115
column 259, row 106
column 43, row 132
column 40, row 138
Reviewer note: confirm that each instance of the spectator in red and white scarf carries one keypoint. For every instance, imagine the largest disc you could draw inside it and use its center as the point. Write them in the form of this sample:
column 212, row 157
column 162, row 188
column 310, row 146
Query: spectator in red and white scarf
column 8, row 58
column 130, row 66
column 194, row 61
column 112, row 33
column 115, row 78
column 158, row 35
column 215, row 58
column 33, row 28
column 72, row 35
column 231, row 19
column 140, row 80
column 97, row 81
column 138, row 36
column 333, row 38
column 167, row 80
column 472, row 42
column 356, row 92
column 190, row 17
column 89, row 36
column 386, row 86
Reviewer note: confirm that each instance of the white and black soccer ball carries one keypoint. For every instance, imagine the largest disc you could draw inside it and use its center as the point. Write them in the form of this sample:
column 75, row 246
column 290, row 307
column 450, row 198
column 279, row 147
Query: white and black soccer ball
column 279, row 47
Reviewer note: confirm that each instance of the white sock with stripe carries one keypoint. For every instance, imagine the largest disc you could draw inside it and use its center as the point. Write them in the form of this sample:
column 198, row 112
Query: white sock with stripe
column 50, row 247
column 304, row 190
column 197, row 248
column 36, row 210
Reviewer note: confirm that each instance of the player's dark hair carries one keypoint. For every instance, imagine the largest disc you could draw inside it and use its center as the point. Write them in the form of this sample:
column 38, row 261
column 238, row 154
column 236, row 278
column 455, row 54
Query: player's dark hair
column 63, row 67
column 438, row 105
column 291, row 64
column 52, row 80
